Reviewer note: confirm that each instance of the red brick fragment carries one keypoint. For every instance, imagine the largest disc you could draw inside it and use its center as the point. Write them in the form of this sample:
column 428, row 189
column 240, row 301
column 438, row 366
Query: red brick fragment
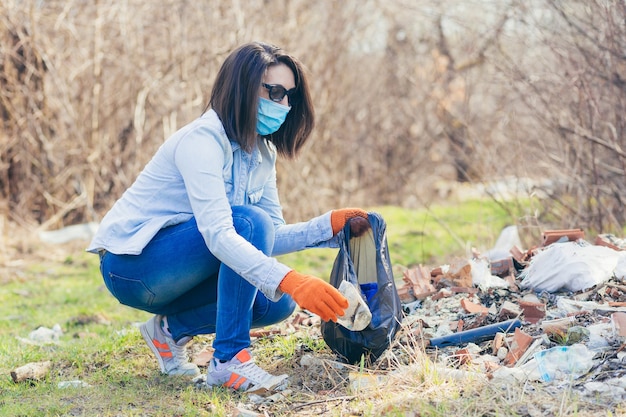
column 405, row 293
column 442, row 293
column 520, row 343
column 533, row 312
column 510, row 279
column 464, row 290
column 619, row 322
column 464, row 356
column 435, row 272
column 509, row 310
column 471, row 307
column 610, row 241
column 418, row 282
column 459, row 325
column 568, row 235
column 490, row 368
column 498, row 342
column 458, row 275
column 502, row 267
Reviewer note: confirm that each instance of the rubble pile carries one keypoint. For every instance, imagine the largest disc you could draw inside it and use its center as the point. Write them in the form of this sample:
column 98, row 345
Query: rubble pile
column 554, row 313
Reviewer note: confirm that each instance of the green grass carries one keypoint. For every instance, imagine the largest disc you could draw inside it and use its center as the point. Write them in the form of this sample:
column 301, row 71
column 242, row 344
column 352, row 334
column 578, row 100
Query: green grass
column 101, row 345
column 427, row 236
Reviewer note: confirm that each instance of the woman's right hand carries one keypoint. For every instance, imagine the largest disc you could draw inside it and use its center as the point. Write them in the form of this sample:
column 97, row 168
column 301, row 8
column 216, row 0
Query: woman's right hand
column 314, row 294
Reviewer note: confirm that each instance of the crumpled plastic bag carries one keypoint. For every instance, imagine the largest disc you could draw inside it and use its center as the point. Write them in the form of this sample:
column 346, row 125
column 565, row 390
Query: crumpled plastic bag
column 482, row 276
column 563, row 362
column 620, row 269
column 571, row 266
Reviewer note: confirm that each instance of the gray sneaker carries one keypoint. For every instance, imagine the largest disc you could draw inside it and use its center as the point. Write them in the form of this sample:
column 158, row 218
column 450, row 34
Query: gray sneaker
column 172, row 356
column 241, row 373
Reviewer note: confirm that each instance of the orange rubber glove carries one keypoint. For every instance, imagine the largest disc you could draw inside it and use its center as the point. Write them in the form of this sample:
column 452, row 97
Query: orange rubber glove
column 315, row 295
column 338, row 219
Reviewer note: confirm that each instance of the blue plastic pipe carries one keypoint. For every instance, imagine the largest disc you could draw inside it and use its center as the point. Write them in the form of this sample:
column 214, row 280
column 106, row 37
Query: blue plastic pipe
column 479, row 334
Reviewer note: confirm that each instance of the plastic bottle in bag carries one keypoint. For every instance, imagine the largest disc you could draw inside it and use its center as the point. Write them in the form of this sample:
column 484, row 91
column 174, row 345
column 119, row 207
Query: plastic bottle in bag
column 358, row 315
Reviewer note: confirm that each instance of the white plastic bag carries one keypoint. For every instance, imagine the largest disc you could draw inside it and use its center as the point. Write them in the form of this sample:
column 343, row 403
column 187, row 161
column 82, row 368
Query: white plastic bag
column 572, row 266
column 482, row 277
column 620, row 269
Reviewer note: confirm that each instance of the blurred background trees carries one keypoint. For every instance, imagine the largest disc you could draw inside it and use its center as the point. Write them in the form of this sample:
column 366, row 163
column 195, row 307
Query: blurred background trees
column 412, row 98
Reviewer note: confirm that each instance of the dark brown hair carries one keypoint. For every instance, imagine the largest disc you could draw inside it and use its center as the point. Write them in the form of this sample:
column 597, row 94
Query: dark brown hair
column 235, row 98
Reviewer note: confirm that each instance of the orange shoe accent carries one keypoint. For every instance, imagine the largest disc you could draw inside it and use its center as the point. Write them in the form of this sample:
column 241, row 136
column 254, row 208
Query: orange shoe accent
column 165, row 352
column 235, row 381
column 240, row 383
column 243, row 356
column 160, row 345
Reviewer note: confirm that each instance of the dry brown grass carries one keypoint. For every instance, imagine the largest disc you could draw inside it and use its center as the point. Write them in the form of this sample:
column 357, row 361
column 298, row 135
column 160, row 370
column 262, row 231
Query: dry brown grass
column 407, row 93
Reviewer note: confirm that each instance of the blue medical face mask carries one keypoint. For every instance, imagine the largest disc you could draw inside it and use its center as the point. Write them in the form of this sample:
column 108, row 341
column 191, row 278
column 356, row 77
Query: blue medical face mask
column 270, row 117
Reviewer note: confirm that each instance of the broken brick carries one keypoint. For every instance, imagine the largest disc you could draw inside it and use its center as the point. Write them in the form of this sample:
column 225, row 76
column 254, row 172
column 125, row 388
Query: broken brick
column 509, row 310
column 418, row 281
column 442, row 293
column 458, row 275
column 464, row 356
column 533, row 312
column 498, row 342
column 619, row 323
column 520, row 343
column 502, row 267
column 471, row 307
column 406, row 294
column 464, row 290
column 567, row 235
column 610, row 241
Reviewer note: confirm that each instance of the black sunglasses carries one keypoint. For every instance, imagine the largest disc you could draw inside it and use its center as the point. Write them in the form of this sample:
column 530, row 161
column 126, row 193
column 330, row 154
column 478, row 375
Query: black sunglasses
column 278, row 92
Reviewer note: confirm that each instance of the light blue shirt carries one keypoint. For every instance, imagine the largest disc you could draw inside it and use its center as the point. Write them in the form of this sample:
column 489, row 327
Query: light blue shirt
column 199, row 172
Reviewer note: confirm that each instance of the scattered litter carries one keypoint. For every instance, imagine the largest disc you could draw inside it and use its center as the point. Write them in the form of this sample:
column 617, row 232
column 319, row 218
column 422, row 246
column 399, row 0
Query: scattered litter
column 240, row 411
column 619, row 323
column 562, row 362
column 611, row 241
column 314, row 360
column 482, row 276
column 43, row 335
column 83, row 231
column 570, row 266
column 274, row 398
column 73, row 384
column 474, row 335
column 33, row 371
column 359, row 380
column 554, row 313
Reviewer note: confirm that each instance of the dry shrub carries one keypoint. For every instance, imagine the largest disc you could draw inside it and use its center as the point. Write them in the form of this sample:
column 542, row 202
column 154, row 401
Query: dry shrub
column 407, row 93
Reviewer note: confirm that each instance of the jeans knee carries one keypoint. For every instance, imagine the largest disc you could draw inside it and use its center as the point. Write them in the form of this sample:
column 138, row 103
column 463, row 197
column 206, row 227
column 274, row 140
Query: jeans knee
column 255, row 225
column 287, row 307
column 266, row 313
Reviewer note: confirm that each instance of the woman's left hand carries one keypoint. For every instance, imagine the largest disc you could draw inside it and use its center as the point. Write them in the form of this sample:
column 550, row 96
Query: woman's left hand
column 357, row 217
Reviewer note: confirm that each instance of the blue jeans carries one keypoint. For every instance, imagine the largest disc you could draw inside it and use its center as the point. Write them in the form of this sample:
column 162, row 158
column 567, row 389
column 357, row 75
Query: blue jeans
column 177, row 276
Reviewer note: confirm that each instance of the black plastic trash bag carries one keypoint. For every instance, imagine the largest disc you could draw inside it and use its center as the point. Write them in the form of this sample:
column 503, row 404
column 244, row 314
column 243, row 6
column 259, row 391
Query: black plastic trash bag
column 364, row 261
